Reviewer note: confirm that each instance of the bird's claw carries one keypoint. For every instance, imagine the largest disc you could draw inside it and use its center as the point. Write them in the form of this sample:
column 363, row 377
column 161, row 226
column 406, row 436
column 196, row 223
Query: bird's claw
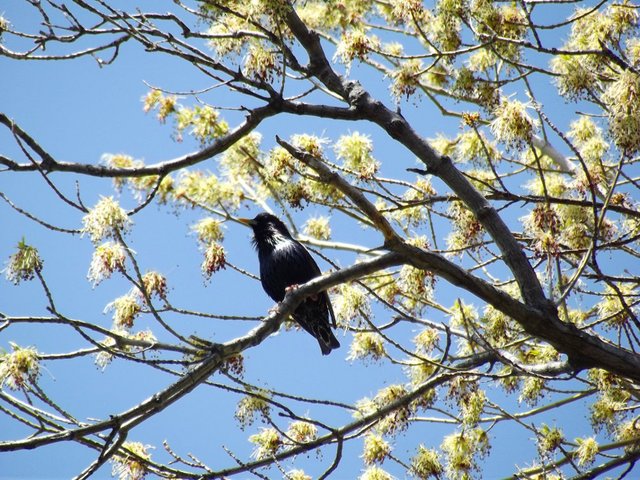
column 290, row 288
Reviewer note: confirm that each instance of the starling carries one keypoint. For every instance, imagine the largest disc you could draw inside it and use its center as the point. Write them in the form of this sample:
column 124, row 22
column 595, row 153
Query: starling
column 285, row 263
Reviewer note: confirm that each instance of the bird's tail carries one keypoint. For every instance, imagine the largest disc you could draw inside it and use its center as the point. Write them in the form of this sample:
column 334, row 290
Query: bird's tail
column 326, row 338
column 320, row 330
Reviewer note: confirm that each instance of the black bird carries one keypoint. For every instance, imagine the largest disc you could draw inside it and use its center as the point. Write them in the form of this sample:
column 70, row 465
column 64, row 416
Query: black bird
column 285, row 263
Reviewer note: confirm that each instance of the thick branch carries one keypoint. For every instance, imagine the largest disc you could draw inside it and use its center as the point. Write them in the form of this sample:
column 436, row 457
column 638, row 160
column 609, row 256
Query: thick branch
column 48, row 164
column 441, row 166
column 319, row 66
column 398, row 128
column 584, row 350
column 202, row 371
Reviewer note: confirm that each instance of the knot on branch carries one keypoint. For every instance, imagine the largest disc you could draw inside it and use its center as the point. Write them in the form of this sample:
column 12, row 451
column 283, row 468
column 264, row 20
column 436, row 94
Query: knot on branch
column 484, row 212
column 356, row 95
column 433, row 168
column 443, row 162
column 327, row 176
column 396, row 126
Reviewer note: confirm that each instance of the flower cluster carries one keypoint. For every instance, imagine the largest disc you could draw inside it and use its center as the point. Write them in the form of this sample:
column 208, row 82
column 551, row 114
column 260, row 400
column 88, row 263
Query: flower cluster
column 549, row 439
column 107, row 258
column 375, row 473
column 243, row 159
column 351, row 305
column 251, row 405
column 355, row 150
column 267, row 442
column 125, row 310
column 154, row 284
column 623, row 100
column 106, row 220
column 426, row 464
column 202, row 120
column 355, row 43
column 214, row 259
column 367, row 346
column 318, row 227
column 395, row 421
column 512, row 124
column 467, row 231
column 24, row 264
column 18, row 367
column 302, row 432
column 406, row 79
column 130, row 465
column 260, row 63
column 376, row 449
column 462, row 451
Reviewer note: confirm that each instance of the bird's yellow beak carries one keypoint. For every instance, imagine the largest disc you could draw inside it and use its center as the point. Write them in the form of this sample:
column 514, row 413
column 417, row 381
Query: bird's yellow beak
column 247, row 221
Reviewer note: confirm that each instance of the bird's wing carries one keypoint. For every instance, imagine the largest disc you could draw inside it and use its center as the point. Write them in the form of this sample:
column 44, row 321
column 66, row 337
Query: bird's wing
column 314, row 271
column 325, row 295
column 273, row 278
column 290, row 264
column 300, row 265
column 331, row 313
column 304, row 257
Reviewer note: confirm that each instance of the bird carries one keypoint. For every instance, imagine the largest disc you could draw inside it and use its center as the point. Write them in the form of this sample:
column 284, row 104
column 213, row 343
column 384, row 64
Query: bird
column 284, row 264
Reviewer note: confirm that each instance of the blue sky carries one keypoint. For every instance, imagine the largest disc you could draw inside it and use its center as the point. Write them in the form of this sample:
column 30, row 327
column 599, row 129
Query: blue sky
column 79, row 111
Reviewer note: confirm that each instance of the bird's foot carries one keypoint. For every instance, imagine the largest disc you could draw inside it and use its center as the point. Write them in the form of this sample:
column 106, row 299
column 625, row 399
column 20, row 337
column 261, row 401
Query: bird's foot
column 290, row 288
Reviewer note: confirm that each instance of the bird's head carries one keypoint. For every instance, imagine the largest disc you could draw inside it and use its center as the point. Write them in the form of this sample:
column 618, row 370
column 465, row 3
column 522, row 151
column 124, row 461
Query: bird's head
column 267, row 229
